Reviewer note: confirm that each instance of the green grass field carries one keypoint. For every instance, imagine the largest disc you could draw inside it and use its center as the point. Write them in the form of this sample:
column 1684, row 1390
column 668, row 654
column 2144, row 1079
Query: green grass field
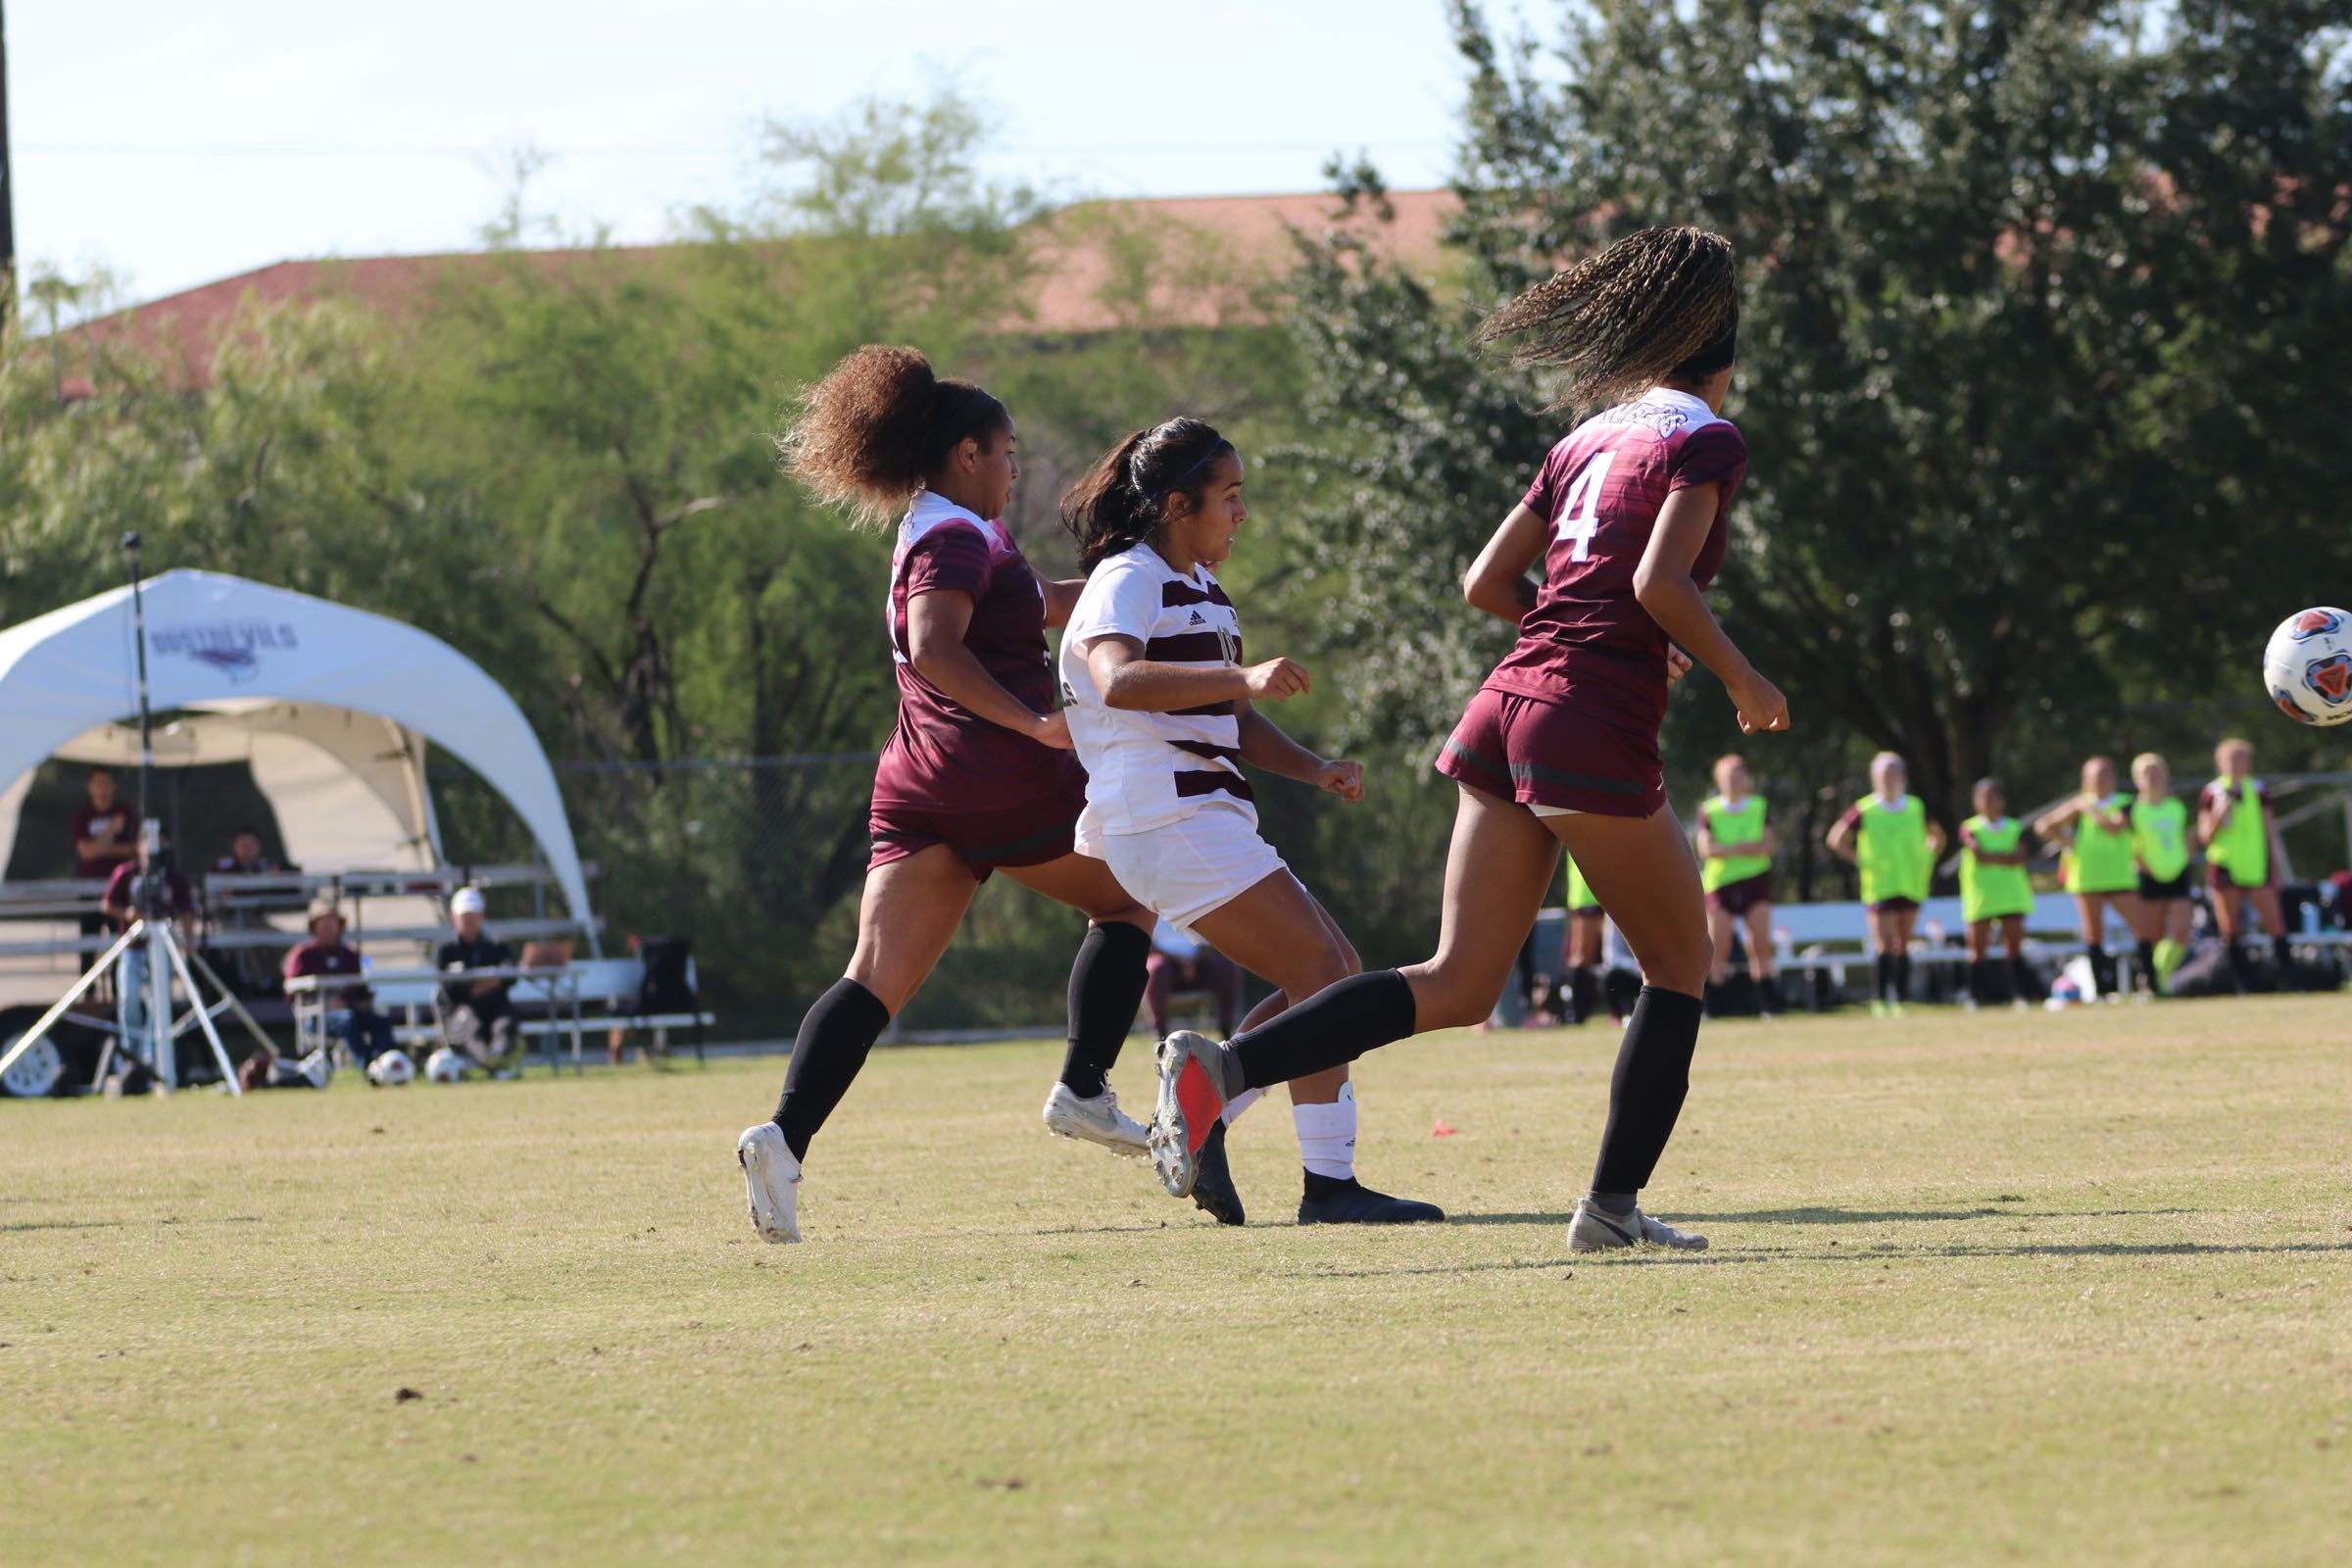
column 2068, row 1288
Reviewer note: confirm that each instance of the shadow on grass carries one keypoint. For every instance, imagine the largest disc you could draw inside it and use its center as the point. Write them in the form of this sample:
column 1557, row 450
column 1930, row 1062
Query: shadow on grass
column 120, row 1224
column 1436, row 1268
column 1893, row 1254
column 1898, row 1216
column 1837, row 1216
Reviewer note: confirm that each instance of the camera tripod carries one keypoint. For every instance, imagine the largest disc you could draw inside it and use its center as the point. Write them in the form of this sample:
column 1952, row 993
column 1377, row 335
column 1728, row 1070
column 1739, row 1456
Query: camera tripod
column 155, row 1039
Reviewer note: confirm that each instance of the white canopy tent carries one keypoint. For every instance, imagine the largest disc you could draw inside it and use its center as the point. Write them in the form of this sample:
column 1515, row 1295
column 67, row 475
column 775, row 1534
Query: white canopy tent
column 332, row 707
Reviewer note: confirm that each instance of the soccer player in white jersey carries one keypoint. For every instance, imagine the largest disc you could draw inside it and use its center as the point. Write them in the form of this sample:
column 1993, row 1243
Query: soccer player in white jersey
column 1162, row 712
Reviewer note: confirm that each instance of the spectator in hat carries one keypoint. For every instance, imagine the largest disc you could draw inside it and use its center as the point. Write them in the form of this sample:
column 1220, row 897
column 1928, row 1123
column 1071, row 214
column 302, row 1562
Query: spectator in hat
column 474, row 1013
column 351, row 1015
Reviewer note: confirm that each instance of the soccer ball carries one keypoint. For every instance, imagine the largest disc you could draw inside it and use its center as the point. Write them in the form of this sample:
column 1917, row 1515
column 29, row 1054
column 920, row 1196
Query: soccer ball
column 445, row 1067
column 2308, row 667
column 391, row 1069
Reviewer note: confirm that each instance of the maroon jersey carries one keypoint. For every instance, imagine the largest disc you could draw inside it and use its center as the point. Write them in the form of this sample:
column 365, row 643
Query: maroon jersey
column 115, row 825
column 1588, row 643
column 942, row 755
column 122, row 893
column 316, row 958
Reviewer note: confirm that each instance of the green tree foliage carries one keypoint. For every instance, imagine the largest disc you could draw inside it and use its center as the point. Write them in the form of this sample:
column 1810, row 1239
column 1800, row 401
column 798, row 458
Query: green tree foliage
column 2035, row 300
column 563, row 463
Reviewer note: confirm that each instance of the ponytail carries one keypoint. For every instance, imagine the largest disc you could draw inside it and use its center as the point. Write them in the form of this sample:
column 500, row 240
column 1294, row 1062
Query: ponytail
column 867, row 436
column 1123, row 499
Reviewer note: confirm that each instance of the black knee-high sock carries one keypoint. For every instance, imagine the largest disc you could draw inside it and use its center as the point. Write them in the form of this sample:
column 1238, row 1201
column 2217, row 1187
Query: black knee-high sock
column 1645, row 1091
column 2241, row 968
column 1584, row 993
column 1768, row 990
column 831, row 1047
column 1335, row 1025
column 2145, row 952
column 1979, row 981
column 2022, row 985
column 1106, row 987
column 2102, row 967
column 1903, row 977
column 1882, row 976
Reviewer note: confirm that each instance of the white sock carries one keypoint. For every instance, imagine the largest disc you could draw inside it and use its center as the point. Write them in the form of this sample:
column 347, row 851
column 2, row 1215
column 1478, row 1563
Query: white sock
column 1241, row 1102
column 1327, row 1136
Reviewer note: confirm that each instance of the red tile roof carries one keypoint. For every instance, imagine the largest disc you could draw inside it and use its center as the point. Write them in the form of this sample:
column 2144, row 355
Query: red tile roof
column 1086, row 257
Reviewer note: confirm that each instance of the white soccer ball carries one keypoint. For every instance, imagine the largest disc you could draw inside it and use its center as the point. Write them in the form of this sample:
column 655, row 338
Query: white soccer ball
column 2308, row 667
column 445, row 1067
column 392, row 1070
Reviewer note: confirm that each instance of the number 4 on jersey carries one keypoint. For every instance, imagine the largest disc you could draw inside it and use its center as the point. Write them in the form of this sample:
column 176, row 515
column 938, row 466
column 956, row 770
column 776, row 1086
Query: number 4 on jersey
column 1579, row 518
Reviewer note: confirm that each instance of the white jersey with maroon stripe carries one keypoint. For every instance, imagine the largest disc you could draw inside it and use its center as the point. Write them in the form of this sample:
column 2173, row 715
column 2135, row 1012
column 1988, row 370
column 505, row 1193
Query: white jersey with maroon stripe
column 1145, row 770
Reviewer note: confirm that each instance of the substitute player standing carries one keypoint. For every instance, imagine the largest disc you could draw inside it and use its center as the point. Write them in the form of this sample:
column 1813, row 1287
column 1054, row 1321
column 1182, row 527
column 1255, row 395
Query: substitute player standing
column 2240, row 836
column 2099, row 870
column 978, row 775
column 1888, row 836
column 1584, row 953
column 1560, row 746
column 1165, row 714
column 1735, row 853
column 2160, row 844
column 1994, row 890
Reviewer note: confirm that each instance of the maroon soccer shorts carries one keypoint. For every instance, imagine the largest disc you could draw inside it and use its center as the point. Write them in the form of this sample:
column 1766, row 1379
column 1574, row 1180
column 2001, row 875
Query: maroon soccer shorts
column 1547, row 753
column 1735, row 898
column 1029, row 834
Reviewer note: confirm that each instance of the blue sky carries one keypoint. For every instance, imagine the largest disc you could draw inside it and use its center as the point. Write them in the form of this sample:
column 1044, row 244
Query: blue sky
column 175, row 144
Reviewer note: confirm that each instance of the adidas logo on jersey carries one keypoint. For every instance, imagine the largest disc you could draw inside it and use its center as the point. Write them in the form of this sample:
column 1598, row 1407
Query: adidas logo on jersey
column 1198, row 620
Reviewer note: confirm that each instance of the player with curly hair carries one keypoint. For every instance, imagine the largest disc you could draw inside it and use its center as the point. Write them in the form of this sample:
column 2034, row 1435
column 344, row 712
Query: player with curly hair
column 978, row 775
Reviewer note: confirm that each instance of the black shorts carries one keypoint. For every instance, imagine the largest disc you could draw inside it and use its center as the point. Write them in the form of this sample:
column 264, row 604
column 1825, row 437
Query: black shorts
column 2170, row 887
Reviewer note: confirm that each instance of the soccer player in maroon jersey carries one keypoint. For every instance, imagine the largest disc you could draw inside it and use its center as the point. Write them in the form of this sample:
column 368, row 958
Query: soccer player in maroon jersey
column 1561, row 747
column 978, row 777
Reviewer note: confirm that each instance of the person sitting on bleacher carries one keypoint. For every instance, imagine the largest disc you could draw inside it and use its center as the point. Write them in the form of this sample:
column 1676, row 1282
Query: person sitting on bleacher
column 1180, row 962
column 351, row 1016
column 474, row 1013
column 250, row 968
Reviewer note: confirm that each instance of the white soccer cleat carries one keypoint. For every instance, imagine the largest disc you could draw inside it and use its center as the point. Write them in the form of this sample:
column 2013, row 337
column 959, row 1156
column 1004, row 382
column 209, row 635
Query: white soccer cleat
column 774, row 1177
column 1098, row 1120
column 1595, row 1230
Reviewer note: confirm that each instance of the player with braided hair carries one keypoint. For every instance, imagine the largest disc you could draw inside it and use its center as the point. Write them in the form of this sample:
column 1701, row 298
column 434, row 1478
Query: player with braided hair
column 1560, row 746
column 978, row 775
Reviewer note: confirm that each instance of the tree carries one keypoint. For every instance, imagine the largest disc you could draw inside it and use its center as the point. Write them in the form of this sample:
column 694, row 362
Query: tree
column 2033, row 294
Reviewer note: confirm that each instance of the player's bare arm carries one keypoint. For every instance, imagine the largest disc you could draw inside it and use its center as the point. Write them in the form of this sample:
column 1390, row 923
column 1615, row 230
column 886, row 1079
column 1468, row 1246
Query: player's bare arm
column 1061, row 598
column 1498, row 581
column 1266, row 745
column 936, row 623
column 1663, row 586
column 1128, row 681
column 2058, row 822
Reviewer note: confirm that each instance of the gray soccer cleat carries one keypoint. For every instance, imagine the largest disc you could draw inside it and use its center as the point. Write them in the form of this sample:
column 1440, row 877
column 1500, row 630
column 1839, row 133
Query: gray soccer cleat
column 1095, row 1120
column 1596, row 1230
column 1189, row 1106
column 774, row 1177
